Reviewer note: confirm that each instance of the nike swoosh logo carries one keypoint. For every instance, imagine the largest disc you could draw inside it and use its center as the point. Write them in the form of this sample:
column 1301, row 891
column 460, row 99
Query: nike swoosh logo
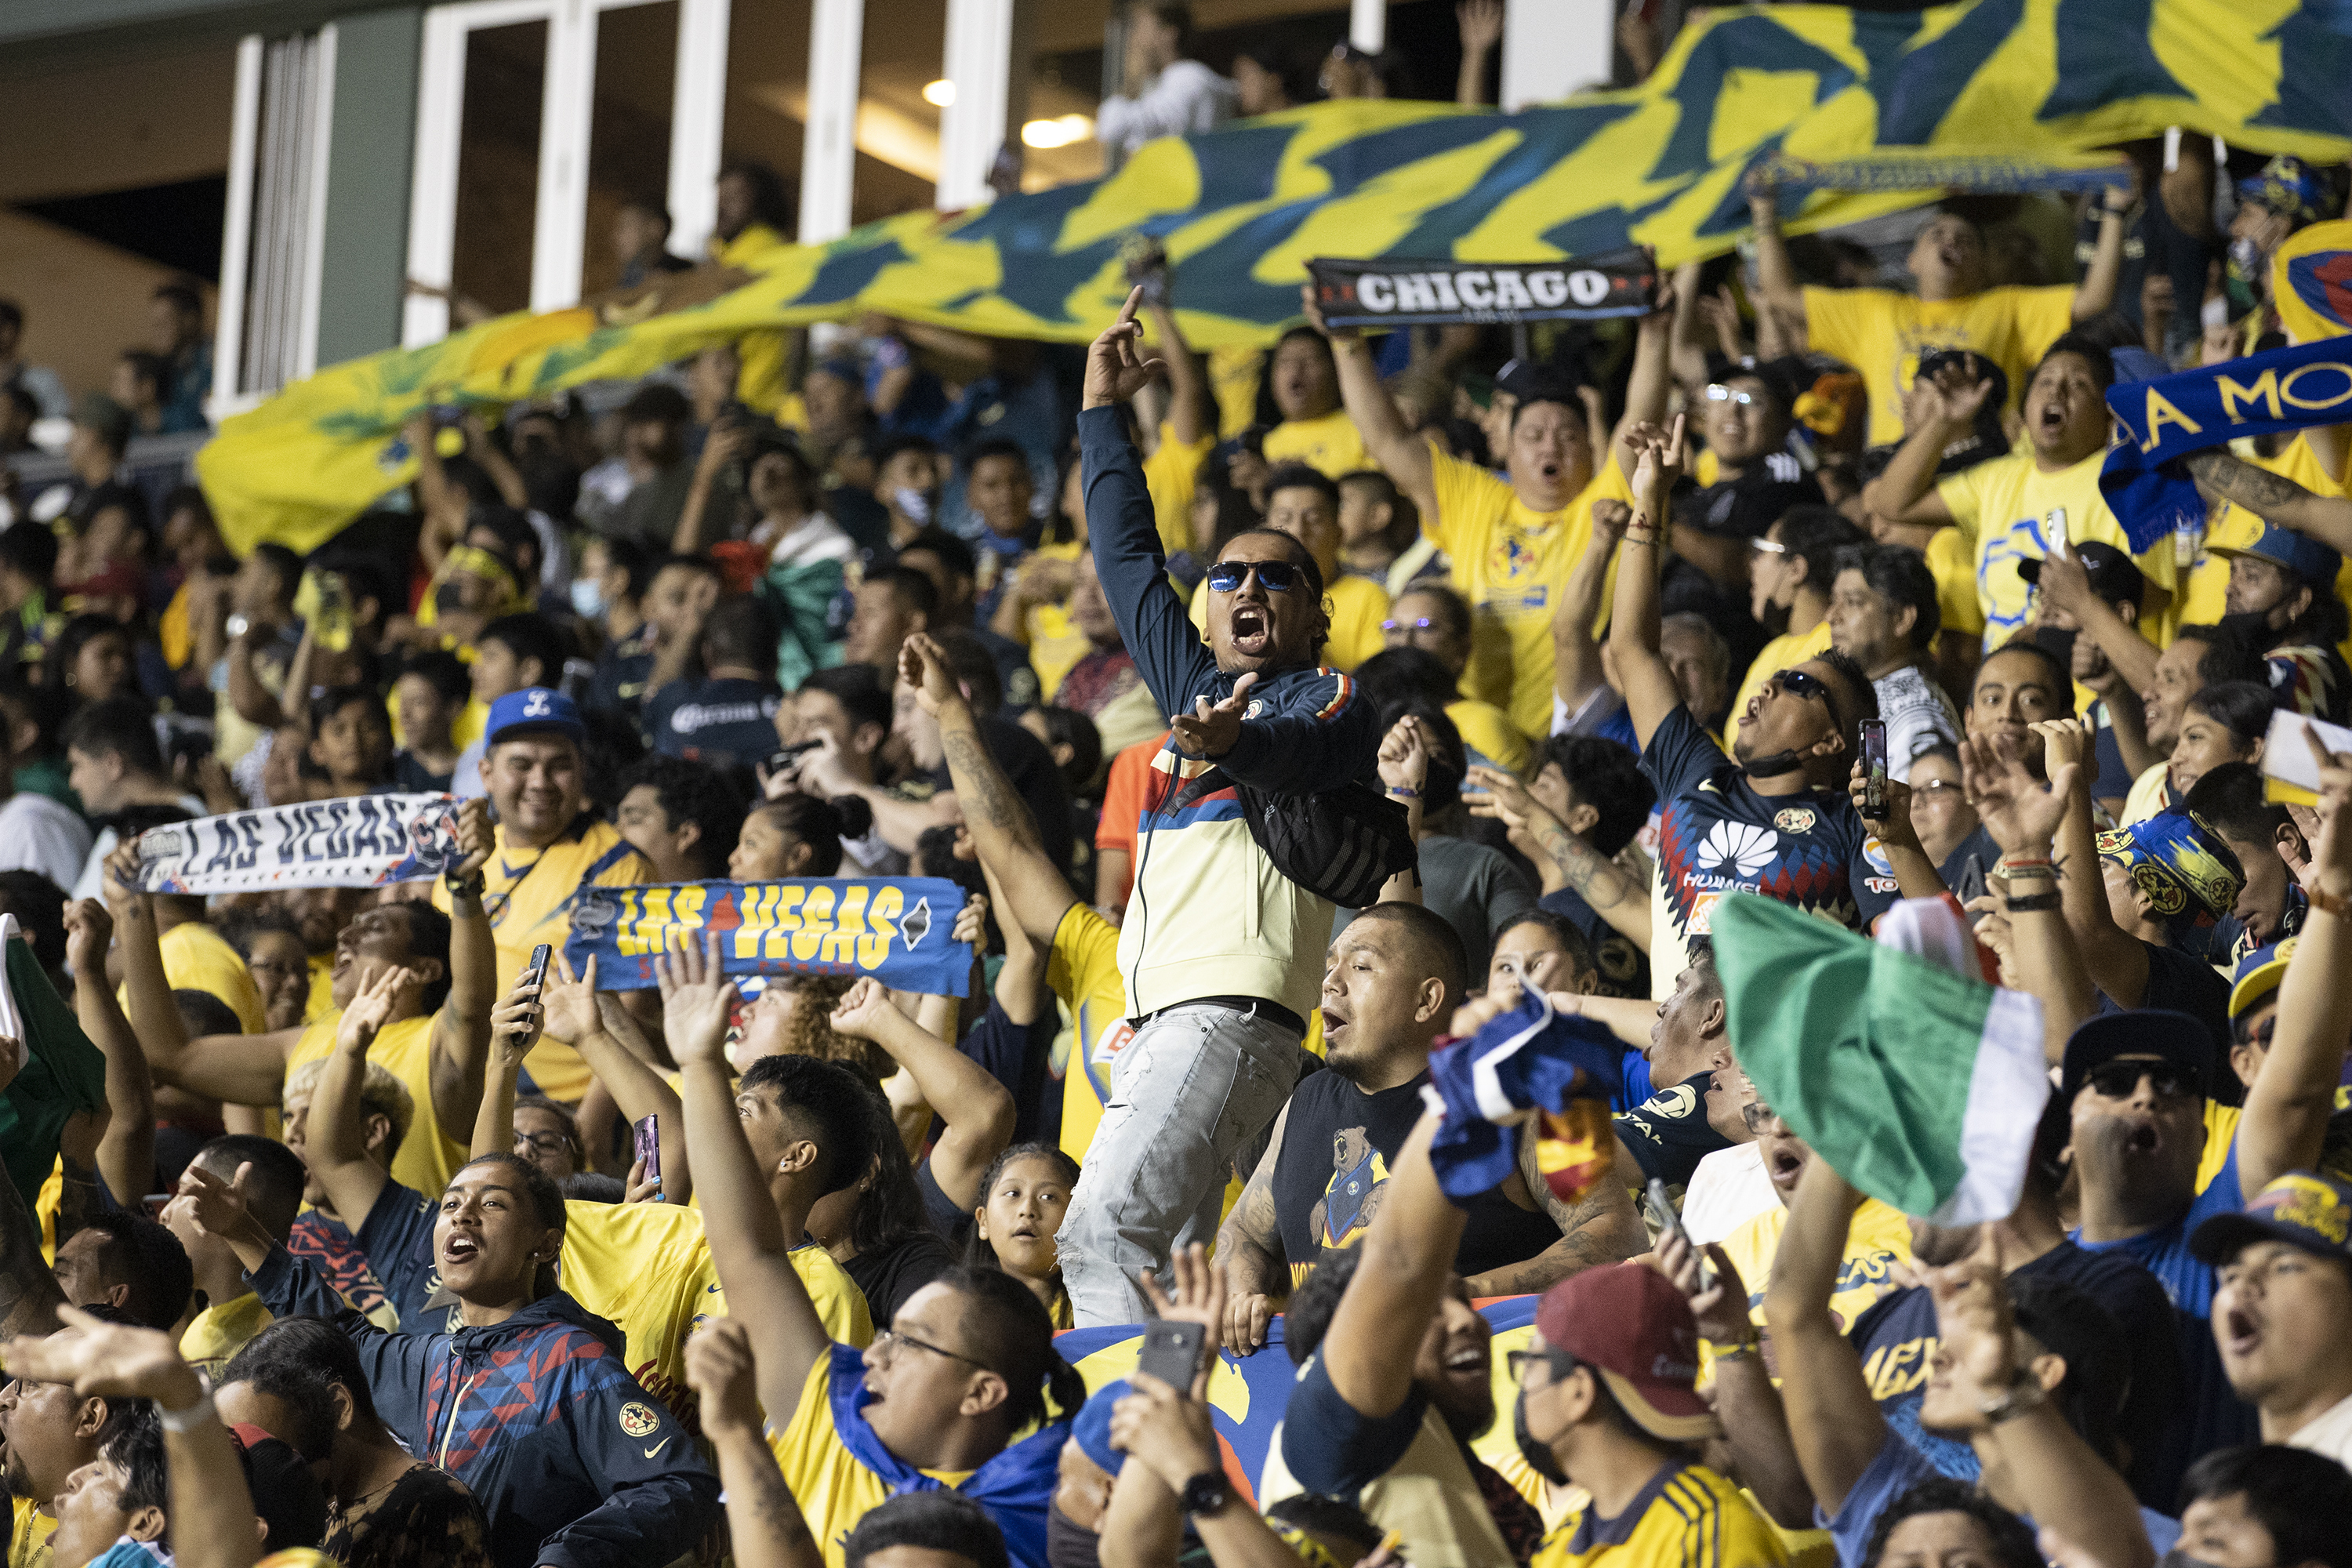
column 657, row 1448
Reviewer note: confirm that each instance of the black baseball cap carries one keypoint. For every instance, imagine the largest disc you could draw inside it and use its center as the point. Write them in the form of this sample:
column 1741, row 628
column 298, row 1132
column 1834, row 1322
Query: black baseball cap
column 2173, row 1039
column 2113, row 576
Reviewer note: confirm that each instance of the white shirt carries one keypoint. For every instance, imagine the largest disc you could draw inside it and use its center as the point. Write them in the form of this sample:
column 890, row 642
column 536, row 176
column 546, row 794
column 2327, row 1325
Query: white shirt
column 465, row 781
column 92, row 884
column 814, row 538
column 1185, row 97
column 2329, row 1434
column 37, row 834
column 1728, row 1189
column 1917, row 714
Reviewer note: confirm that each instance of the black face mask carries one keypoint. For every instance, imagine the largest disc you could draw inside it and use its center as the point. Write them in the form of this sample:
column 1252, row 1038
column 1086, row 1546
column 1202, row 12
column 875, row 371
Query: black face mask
column 1773, row 766
column 2179, row 1558
column 1539, row 1455
column 1068, row 1544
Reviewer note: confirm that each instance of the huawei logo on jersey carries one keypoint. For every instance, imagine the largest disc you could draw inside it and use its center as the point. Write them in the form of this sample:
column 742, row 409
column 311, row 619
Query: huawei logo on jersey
column 1739, row 848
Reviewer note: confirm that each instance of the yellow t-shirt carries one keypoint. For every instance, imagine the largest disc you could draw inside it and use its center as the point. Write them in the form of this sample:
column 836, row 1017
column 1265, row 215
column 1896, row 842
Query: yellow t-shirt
column 1083, row 970
column 1686, row 1517
column 1359, row 605
column 1783, row 652
column 218, row 1333
column 1488, row 730
column 1885, row 335
column 323, row 988
column 763, row 355
column 198, row 958
column 28, row 1534
column 833, row 1489
column 1508, row 560
column 2220, row 1132
column 427, row 1157
column 1171, row 473
column 529, row 897
column 1878, row 1238
column 2150, row 794
column 1233, row 375
column 1952, row 559
column 1331, row 445
column 2013, row 508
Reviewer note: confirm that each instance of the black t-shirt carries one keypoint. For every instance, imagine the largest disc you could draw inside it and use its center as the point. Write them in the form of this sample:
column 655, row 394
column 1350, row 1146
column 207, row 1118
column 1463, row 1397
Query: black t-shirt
column 949, row 1221
column 1954, row 871
column 1624, row 967
column 1334, row 1164
column 1020, row 1057
column 1030, row 766
column 1744, row 507
column 722, row 722
column 1896, row 1339
column 622, row 670
column 411, row 776
column 2184, row 982
column 1668, row 1134
column 895, row 1270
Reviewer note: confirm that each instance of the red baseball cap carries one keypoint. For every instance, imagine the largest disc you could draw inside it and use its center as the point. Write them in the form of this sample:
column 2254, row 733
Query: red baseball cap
column 1628, row 1322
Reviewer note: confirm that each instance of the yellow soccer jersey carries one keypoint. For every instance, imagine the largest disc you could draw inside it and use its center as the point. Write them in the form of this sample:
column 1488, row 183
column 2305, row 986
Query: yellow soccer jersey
column 1171, row 473
column 217, row 1334
column 1083, row 970
column 1783, row 652
column 2016, row 509
column 198, row 958
column 529, row 900
column 1508, row 561
column 1331, row 445
column 1885, row 335
column 1687, row 1517
column 1878, row 1238
column 323, row 988
column 1488, row 730
column 834, row 1488
column 28, row 1534
column 427, row 1157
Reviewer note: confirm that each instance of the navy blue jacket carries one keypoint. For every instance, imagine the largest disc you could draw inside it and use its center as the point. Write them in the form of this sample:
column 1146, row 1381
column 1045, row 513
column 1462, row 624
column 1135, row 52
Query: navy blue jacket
column 576, row 1464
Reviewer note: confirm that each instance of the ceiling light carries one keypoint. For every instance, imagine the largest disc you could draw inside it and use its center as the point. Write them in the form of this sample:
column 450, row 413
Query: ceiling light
column 1059, row 132
column 940, row 92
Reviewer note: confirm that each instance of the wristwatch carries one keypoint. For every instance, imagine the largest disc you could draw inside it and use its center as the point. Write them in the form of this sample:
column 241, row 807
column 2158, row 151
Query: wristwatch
column 1206, row 1494
column 465, row 887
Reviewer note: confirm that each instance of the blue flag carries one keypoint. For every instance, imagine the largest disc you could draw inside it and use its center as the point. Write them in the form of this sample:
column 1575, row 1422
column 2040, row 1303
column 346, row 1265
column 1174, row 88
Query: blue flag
column 1522, row 1060
column 895, row 929
column 2164, row 420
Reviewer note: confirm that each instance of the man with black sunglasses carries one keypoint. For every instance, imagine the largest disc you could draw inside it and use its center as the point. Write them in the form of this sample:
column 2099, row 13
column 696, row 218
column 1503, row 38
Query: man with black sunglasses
column 1774, row 817
column 1220, row 951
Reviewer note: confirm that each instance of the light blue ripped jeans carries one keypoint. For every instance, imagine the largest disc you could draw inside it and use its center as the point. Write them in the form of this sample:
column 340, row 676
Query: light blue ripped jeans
column 1194, row 1086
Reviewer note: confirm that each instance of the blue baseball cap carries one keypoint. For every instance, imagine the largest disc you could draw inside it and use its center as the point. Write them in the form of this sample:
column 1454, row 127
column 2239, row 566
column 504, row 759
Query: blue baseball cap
column 534, row 707
column 2308, row 558
column 2309, row 1209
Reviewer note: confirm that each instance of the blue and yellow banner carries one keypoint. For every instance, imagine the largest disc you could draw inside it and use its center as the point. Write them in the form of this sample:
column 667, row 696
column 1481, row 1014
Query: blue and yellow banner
column 895, row 929
column 2009, row 92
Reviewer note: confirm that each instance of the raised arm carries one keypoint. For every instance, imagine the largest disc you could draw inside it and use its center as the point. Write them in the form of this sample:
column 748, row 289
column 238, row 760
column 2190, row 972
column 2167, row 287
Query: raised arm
column 1578, row 669
column 2273, row 498
column 1776, row 274
column 336, row 1133
column 1649, row 686
column 1647, row 384
column 1402, row 454
column 764, row 1520
column 461, row 1031
column 1192, row 408
column 2024, row 819
column 1599, row 881
column 126, row 1152
column 725, row 445
column 1915, row 874
column 2288, row 1106
column 1746, row 1402
column 747, row 1237
column 2131, row 656
column 1003, row 833
column 2095, row 294
column 1832, row 1421
column 977, row 1110
column 1943, row 410
column 2115, row 960
column 568, row 1004
column 29, row 1296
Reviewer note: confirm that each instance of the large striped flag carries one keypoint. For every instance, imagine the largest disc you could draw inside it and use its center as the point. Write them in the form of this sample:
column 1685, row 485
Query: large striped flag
column 1922, row 1086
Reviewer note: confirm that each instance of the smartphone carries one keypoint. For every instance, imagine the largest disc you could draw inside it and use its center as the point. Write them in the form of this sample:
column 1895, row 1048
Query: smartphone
column 1172, row 1352
column 153, row 1204
column 784, row 756
column 1873, row 769
column 1662, row 1216
column 648, row 1142
column 535, row 971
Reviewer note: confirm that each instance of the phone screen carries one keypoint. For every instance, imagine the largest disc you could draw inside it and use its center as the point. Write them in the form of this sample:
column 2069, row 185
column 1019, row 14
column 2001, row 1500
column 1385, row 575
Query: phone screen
column 1873, row 768
column 648, row 1147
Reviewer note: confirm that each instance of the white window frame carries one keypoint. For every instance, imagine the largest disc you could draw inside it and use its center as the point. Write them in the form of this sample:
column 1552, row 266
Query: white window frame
column 567, row 107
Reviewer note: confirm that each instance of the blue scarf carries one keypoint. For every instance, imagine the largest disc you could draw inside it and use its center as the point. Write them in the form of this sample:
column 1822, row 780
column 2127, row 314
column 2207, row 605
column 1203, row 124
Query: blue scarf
column 1518, row 1061
column 2164, row 420
column 1014, row 1487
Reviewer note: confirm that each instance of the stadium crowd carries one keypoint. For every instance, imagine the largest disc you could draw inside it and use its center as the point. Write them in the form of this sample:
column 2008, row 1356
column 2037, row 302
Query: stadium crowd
column 347, row 1231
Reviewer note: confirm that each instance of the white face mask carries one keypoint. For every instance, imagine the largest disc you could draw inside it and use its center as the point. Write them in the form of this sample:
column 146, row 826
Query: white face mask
column 588, row 598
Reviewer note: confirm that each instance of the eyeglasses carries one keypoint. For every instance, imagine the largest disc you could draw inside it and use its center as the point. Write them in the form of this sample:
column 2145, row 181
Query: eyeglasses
column 1420, row 624
column 1935, row 787
column 1719, row 394
column 1756, row 1116
column 2121, row 1080
column 542, row 1142
column 1558, row 1362
column 887, row 1341
column 1278, row 576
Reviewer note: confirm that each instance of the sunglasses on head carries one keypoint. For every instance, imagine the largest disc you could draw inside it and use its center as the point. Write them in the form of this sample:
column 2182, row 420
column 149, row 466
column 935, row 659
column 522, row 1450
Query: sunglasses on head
column 2120, row 1079
column 1279, row 577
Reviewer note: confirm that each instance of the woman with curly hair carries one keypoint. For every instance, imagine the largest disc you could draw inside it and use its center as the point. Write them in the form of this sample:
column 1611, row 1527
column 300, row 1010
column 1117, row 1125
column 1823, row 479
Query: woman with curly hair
column 792, row 1015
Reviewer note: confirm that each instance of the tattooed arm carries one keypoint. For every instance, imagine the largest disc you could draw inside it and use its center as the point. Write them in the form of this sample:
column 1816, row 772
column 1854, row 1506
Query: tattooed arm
column 1250, row 1247
column 2274, row 496
column 1563, row 859
column 765, row 1521
column 29, row 1296
column 1600, row 1228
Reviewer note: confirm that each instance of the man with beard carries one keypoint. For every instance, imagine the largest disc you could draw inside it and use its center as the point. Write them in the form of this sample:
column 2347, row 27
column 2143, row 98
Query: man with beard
column 1774, row 818
column 1395, row 976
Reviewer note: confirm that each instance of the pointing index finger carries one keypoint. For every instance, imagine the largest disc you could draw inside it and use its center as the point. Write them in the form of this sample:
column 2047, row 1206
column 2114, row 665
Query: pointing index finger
column 1127, row 311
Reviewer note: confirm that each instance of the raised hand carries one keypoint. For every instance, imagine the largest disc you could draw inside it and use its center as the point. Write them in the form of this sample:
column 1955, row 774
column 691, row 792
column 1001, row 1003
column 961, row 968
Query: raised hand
column 2011, row 803
column 1210, row 731
column 1201, row 1297
column 922, row 666
column 1610, row 518
column 640, row 1188
column 1958, row 398
column 1657, row 464
column 478, row 838
column 1312, row 308
column 1720, row 1304
column 1403, row 758
column 697, row 997
column 1893, row 829
column 96, row 1357
column 720, row 1370
column 567, row 1002
column 859, row 1014
column 89, row 930
column 371, row 1009
column 1116, row 368
column 2064, row 741
column 822, row 771
column 1480, row 23
column 221, row 1208
column 121, row 879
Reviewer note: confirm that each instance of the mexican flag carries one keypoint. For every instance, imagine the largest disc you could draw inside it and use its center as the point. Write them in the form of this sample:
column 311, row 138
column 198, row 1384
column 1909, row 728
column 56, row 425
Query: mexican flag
column 1923, row 1087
